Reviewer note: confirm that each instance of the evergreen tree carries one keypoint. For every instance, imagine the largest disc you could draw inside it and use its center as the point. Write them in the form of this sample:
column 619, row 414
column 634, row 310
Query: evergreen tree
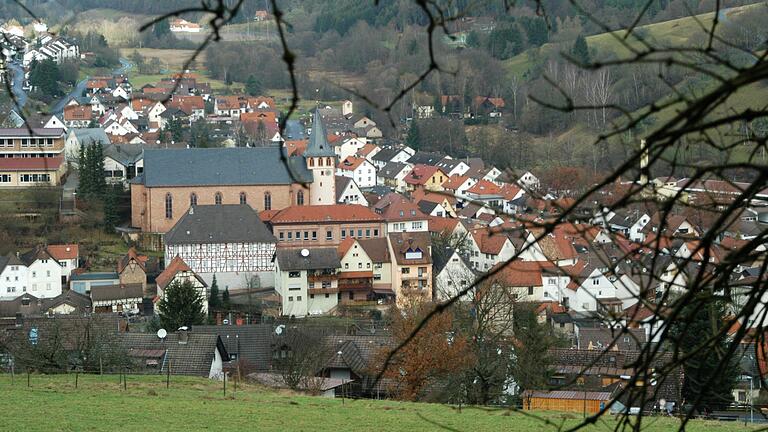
column 82, row 160
column 253, row 86
column 96, row 168
column 580, row 50
column 161, row 28
column 181, row 306
column 698, row 329
column 214, row 302
column 225, row 299
column 413, row 139
column 111, row 212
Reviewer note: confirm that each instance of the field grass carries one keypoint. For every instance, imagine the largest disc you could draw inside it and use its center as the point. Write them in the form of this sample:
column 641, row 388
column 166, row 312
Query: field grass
column 673, row 33
column 100, row 403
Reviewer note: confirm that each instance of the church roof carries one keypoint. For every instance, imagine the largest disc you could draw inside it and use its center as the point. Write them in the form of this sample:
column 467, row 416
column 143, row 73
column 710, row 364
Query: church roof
column 223, row 166
column 318, row 139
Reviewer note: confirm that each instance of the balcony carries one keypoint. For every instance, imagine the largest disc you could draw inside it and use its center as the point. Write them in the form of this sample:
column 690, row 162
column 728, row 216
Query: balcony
column 356, row 281
column 322, row 277
column 332, row 290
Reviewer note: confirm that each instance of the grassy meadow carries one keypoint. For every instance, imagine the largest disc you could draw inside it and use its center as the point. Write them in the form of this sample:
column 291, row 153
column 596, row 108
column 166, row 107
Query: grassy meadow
column 100, row 403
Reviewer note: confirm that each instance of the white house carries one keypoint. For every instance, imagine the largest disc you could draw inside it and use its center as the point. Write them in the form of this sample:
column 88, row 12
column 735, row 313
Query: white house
column 348, row 146
column 453, row 275
column 347, row 192
column 77, row 137
column 393, row 175
column 13, row 277
column 358, row 169
column 453, row 167
column 307, row 280
column 229, row 241
column 489, row 248
column 178, row 271
column 68, row 256
column 43, row 273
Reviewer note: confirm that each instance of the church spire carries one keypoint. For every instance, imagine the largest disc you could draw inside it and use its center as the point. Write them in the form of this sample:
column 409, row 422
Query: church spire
column 318, row 140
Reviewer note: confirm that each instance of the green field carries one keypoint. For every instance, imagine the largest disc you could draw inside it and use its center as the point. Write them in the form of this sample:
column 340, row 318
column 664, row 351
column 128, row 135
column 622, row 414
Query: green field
column 99, row 403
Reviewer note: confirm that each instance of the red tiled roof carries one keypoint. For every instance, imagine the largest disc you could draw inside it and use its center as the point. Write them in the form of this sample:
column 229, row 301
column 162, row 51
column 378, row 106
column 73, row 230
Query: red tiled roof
column 96, row 84
column 296, row 147
column 254, row 102
column 325, row 214
column 395, row 207
column 440, row 224
column 64, row 251
column 268, row 117
column 367, row 149
column 345, row 245
column 485, row 187
column 510, row 191
column 78, row 112
column 33, row 164
column 420, row 174
column 267, row 215
column 228, row 102
column 454, row 182
column 177, row 265
column 489, row 243
column 351, row 163
column 519, row 273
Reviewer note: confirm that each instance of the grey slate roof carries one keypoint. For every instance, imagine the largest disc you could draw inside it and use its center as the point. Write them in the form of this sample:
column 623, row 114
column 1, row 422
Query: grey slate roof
column 426, row 158
column 318, row 139
column 427, row 206
column 391, row 170
column 116, row 292
column 192, row 358
column 125, row 154
column 87, row 135
column 223, row 166
column 252, row 343
column 318, row 259
column 341, row 185
column 386, row 154
column 38, row 132
column 29, row 305
column 232, row 223
column 9, row 259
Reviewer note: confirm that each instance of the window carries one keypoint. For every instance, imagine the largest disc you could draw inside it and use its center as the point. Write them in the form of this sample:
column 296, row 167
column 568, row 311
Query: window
column 290, row 299
column 417, row 225
column 368, row 233
column 530, row 291
column 346, row 266
column 300, row 198
column 359, row 232
column 298, row 298
column 5, row 178
column 282, row 235
column 48, row 273
column 306, row 235
column 376, row 232
column 294, row 274
column 298, row 235
column 267, row 201
column 290, row 235
column 243, row 198
column 367, row 265
column 327, row 296
column 596, row 281
column 329, row 235
column 217, row 198
column 343, row 234
column 193, row 199
column 314, row 235
column 406, row 270
column 311, row 296
column 351, row 295
column 359, row 265
column 168, row 206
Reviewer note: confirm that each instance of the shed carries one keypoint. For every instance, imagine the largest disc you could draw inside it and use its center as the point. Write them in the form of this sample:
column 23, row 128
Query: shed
column 565, row 400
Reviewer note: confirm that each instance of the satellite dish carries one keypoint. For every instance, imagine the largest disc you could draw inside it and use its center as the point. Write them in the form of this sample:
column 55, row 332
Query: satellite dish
column 305, row 253
column 183, row 328
column 279, row 329
column 162, row 333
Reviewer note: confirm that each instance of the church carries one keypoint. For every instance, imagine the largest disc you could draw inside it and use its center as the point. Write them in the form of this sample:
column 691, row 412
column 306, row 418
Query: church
column 265, row 178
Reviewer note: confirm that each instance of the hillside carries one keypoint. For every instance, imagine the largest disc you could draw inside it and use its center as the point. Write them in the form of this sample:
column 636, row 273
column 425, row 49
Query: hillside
column 100, row 403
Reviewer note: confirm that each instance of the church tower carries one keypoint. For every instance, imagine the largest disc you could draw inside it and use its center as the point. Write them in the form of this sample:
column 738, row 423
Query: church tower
column 321, row 161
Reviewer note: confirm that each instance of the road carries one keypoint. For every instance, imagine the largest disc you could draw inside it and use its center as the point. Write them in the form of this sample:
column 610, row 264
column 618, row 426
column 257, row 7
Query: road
column 125, row 66
column 294, row 130
column 17, row 83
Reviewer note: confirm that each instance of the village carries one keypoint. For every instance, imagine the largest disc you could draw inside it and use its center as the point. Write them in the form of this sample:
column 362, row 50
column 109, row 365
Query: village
column 311, row 231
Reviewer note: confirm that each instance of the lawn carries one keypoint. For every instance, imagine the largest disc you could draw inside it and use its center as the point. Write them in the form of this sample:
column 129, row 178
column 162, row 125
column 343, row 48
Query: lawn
column 100, row 403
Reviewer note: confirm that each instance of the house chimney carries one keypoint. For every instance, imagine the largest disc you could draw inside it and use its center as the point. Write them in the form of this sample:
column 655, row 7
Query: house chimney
column 183, row 333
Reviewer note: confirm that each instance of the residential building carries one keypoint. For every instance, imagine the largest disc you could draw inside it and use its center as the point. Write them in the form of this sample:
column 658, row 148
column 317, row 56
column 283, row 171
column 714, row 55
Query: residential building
column 393, row 175
column 452, row 167
column 347, row 192
column 120, row 298
column 307, row 280
column 14, row 277
column 388, row 154
column 44, row 273
column 78, row 116
column 31, row 157
column 178, row 271
column 411, row 266
column 425, row 177
column 181, row 352
column 359, row 169
column 228, row 241
column 83, row 283
column 489, row 247
column 82, row 137
column 453, row 273
column 131, row 270
column 400, row 214
column 68, row 256
column 123, row 162
column 328, row 225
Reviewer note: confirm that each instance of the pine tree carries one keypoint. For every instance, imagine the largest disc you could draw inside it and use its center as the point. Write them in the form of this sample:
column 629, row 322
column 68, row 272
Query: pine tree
column 97, row 169
column 225, row 299
column 111, row 213
column 253, row 86
column 214, row 302
column 698, row 329
column 181, row 306
column 580, row 50
column 413, row 140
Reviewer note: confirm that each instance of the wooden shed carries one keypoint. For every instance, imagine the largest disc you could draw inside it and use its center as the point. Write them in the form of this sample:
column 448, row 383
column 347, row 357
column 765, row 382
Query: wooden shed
column 565, row 400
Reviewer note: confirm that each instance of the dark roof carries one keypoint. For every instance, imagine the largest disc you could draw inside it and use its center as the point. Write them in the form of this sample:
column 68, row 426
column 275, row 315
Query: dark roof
column 222, row 166
column 125, row 154
column 427, row 206
column 249, row 342
column 29, row 305
column 602, row 338
column 191, row 358
column 87, row 135
column 341, row 184
column 9, row 259
column 232, row 223
column 319, row 258
column 39, row 252
column 386, row 154
column 36, row 132
column 404, row 242
column 568, row 394
column 391, row 170
column 116, row 292
column 95, row 276
column 318, row 139
column 426, row 158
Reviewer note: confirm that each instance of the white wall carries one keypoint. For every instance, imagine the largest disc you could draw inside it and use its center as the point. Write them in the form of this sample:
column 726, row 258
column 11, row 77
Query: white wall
column 13, row 283
column 44, row 278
